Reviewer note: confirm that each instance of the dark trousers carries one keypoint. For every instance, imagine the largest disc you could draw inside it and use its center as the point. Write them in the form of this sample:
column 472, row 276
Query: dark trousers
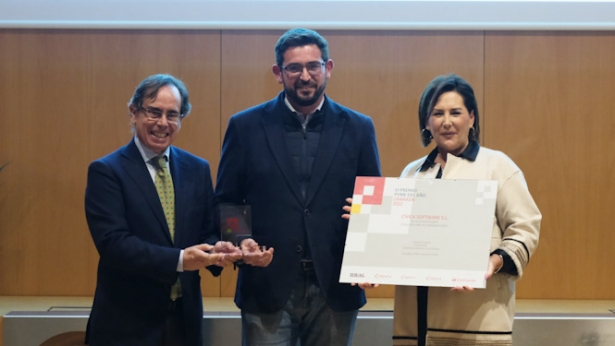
column 175, row 328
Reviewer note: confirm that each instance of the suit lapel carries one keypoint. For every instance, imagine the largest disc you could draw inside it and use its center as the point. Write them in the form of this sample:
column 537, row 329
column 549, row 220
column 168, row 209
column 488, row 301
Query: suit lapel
column 274, row 130
column 137, row 169
column 333, row 129
column 179, row 174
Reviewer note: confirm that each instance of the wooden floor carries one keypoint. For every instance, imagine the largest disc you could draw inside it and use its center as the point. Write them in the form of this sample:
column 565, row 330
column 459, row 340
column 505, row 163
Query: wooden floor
column 18, row 303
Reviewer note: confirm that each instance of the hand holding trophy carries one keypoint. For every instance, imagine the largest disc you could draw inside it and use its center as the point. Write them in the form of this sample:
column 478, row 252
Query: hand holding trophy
column 236, row 228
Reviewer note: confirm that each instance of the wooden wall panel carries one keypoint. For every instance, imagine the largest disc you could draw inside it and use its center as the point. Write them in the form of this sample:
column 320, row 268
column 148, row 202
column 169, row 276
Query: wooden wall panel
column 544, row 101
column 548, row 105
column 382, row 74
column 64, row 95
column 45, row 247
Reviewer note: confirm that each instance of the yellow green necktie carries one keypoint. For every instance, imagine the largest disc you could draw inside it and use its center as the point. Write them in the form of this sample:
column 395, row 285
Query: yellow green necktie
column 164, row 187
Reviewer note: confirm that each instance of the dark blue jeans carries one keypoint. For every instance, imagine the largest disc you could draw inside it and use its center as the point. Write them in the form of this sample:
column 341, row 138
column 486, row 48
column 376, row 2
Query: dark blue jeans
column 306, row 320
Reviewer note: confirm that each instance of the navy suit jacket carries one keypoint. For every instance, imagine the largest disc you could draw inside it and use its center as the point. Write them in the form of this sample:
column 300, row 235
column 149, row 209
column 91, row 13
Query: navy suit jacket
column 256, row 169
column 138, row 259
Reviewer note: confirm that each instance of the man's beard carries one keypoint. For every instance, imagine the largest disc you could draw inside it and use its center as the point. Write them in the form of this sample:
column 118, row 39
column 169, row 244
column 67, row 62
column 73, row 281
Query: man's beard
column 295, row 98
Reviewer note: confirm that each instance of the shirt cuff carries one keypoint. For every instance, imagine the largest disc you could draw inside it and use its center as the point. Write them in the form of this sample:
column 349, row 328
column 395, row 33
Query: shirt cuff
column 508, row 266
column 180, row 263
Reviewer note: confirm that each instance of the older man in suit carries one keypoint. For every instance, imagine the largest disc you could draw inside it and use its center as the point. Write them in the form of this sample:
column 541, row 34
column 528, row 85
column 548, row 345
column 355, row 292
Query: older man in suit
column 294, row 160
column 149, row 210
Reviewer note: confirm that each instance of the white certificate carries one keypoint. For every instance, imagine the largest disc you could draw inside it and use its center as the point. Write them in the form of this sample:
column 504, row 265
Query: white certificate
column 420, row 232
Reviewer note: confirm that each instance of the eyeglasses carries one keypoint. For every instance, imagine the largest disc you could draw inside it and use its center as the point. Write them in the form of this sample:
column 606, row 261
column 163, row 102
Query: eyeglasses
column 155, row 114
column 314, row 68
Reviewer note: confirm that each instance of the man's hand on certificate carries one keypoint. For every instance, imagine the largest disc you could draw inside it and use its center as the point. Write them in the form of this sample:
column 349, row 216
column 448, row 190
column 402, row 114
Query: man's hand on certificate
column 347, row 209
column 255, row 255
column 495, row 261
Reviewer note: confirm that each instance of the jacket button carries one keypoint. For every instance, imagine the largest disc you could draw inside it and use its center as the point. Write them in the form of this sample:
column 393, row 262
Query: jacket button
column 299, row 248
column 306, row 212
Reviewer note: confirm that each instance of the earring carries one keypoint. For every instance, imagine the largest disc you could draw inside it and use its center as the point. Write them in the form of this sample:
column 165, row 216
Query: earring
column 472, row 131
column 426, row 134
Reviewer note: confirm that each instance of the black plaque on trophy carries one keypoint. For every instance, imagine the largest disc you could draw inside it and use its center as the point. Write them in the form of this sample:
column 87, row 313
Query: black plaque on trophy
column 235, row 223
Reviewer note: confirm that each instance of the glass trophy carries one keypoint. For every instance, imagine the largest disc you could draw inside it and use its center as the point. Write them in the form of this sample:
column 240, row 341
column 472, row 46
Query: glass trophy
column 235, row 223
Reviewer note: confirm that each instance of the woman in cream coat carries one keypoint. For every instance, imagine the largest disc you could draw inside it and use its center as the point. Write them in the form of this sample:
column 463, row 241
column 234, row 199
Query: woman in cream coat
column 448, row 114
